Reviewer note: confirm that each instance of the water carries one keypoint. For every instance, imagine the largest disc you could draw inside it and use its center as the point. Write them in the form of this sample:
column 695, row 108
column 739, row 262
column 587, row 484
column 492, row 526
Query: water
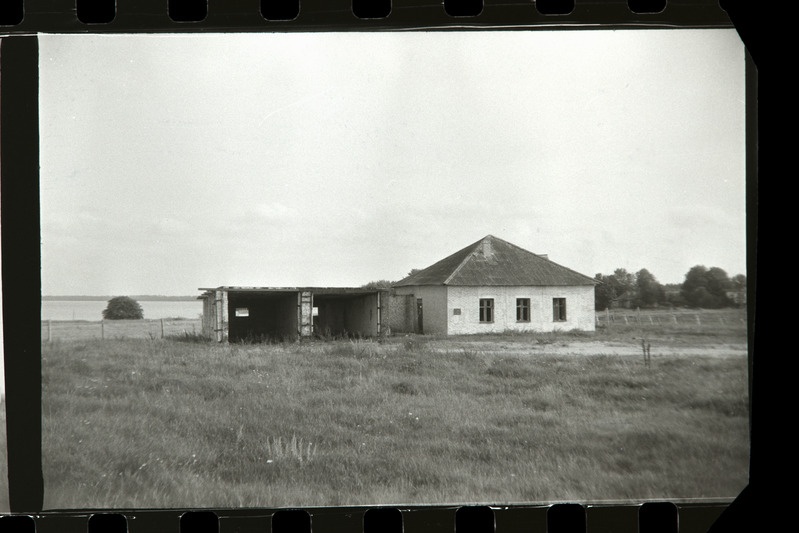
column 93, row 310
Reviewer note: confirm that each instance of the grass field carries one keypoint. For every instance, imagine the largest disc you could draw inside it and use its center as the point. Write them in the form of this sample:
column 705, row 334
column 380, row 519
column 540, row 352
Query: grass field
column 482, row 419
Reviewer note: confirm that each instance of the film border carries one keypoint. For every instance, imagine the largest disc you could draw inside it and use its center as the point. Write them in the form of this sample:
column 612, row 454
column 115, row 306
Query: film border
column 20, row 220
column 151, row 16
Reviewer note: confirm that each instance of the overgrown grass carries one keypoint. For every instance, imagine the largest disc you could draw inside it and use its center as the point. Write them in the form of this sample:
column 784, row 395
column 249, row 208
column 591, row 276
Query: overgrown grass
column 192, row 337
column 143, row 423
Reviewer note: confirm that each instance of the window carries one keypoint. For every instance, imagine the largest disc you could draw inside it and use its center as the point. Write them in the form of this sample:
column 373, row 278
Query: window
column 559, row 309
column 522, row 309
column 486, row 309
column 456, row 311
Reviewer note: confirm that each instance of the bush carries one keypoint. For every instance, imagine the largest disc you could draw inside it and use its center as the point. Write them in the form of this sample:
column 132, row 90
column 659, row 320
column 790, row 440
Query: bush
column 405, row 387
column 123, row 308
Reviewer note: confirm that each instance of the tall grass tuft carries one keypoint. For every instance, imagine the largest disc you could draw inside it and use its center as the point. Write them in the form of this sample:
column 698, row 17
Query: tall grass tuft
column 414, row 344
column 547, row 338
column 509, row 368
column 190, row 337
column 293, row 449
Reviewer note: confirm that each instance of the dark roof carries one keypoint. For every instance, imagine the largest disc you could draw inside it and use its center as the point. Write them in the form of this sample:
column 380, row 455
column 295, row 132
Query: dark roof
column 494, row 262
column 336, row 291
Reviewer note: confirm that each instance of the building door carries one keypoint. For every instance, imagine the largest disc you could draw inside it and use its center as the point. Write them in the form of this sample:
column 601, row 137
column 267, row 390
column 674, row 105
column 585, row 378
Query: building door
column 419, row 317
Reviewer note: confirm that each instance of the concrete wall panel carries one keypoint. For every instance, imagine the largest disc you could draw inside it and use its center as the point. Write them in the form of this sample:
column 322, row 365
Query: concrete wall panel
column 434, row 307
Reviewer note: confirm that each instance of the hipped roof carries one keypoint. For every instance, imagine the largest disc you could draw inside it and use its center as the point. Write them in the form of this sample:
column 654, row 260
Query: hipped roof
column 492, row 261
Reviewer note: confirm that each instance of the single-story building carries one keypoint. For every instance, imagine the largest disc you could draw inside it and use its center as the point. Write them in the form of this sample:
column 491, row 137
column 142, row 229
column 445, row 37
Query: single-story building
column 493, row 286
column 288, row 313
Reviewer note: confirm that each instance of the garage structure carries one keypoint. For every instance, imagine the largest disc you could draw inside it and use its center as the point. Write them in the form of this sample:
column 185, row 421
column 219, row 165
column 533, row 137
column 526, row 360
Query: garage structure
column 236, row 314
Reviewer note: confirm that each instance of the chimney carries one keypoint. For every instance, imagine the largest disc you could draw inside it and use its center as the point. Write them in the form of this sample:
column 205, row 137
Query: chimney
column 486, row 248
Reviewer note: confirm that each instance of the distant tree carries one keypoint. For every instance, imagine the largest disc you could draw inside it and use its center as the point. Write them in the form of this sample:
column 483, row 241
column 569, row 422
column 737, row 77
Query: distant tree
column 718, row 282
column 613, row 289
column 603, row 292
column 706, row 287
column 673, row 296
column 625, row 284
column 650, row 293
column 122, row 308
column 701, row 297
column 384, row 283
column 738, row 282
column 694, row 279
column 379, row 284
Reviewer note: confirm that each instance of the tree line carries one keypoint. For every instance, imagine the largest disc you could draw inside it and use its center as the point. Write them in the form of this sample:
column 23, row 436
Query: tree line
column 709, row 288
column 386, row 284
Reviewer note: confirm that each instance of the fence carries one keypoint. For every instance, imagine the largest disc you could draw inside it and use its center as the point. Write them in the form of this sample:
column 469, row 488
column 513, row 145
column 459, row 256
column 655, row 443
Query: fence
column 118, row 329
column 683, row 317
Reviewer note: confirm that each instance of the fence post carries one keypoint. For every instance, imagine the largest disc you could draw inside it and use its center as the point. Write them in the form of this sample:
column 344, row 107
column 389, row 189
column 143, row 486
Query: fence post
column 607, row 315
column 162, row 328
column 102, row 329
column 697, row 320
column 625, row 318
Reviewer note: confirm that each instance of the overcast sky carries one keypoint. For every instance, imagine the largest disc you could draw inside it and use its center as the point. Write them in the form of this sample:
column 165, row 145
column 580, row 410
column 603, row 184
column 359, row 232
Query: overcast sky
column 172, row 162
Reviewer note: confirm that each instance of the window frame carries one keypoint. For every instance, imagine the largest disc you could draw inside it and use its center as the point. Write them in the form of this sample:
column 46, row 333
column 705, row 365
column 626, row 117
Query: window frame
column 559, row 310
column 486, row 310
column 523, row 308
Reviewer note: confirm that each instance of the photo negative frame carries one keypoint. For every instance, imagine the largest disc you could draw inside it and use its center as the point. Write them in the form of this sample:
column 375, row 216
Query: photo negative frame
column 22, row 255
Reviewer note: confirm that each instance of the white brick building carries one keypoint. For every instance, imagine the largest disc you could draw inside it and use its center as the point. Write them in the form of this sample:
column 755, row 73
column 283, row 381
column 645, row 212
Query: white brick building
column 493, row 286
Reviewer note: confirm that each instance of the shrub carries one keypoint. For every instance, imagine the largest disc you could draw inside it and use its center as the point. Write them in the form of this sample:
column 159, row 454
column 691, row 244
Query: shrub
column 123, row 308
column 508, row 368
column 547, row 338
column 405, row 387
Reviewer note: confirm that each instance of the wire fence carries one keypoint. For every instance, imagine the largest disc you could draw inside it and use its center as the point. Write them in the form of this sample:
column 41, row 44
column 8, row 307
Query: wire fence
column 684, row 317
column 53, row 330
column 118, row 329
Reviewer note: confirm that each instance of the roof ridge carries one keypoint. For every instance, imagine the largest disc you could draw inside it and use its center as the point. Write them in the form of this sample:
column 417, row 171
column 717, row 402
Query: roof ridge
column 519, row 247
column 572, row 270
column 465, row 259
column 406, row 279
column 513, row 265
column 547, row 259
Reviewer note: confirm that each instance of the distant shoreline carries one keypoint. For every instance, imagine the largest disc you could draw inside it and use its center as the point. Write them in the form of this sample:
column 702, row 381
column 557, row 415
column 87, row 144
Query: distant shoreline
column 143, row 298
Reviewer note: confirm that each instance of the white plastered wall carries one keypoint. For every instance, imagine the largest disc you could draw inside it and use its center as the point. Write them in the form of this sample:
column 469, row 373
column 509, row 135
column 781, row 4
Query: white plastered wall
column 579, row 309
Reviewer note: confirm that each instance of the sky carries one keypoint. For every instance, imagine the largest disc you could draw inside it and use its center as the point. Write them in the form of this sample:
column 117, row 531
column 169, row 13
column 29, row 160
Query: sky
column 174, row 162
